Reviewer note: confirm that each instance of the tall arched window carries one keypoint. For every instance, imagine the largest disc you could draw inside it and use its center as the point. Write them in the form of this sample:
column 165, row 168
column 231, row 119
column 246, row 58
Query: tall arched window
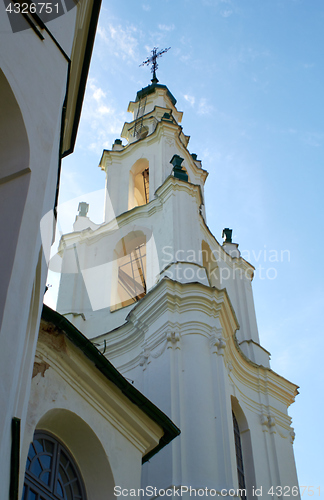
column 139, row 184
column 51, row 472
column 130, row 258
column 239, row 457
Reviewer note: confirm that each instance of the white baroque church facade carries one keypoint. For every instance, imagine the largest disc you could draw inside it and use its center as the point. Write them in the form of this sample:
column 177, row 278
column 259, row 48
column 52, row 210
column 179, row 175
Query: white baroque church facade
column 172, row 310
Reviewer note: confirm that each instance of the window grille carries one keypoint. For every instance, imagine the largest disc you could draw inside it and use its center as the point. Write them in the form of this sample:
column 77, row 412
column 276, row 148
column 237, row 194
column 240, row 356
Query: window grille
column 239, row 457
column 146, row 185
column 51, row 473
column 131, row 276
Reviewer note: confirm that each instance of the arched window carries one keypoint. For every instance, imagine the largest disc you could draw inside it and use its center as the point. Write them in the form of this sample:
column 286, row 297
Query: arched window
column 139, row 186
column 239, row 457
column 51, row 472
column 130, row 257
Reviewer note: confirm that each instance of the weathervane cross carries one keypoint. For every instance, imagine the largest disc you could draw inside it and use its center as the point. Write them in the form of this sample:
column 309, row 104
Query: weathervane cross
column 152, row 60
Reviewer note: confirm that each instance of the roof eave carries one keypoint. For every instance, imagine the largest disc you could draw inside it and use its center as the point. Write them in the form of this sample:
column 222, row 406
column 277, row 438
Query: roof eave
column 170, row 430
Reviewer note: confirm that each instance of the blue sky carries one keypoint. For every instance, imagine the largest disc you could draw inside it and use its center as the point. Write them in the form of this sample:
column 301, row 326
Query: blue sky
column 248, row 75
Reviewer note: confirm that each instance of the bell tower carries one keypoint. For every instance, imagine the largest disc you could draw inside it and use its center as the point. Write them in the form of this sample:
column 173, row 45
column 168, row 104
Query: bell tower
column 173, row 310
column 134, row 172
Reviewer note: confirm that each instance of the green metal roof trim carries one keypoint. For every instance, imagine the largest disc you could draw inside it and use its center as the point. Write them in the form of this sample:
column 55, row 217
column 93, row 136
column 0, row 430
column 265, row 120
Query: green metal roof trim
column 84, row 74
column 151, row 88
column 109, row 371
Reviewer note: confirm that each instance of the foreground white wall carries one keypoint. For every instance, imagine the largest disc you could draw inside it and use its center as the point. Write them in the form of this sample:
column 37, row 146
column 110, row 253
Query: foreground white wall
column 33, row 86
column 105, row 432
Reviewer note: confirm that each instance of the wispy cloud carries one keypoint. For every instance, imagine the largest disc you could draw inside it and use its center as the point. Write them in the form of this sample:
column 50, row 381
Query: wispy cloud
column 215, row 3
column 101, row 122
column 165, row 27
column 308, row 65
column 204, row 108
column 313, row 138
column 120, row 41
column 146, row 7
column 190, row 98
column 247, row 55
column 70, row 181
column 226, row 13
column 224, row 7
column 98, row 93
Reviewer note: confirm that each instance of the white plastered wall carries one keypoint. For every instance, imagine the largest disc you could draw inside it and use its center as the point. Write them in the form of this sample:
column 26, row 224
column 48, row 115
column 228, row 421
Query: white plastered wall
column 105, row 433
column 33, row 78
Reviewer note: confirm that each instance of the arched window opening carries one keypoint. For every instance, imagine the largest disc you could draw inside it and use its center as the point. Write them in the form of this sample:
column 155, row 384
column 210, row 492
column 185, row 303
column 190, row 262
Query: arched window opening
column 139, row 187
column 51, row 472
column 131, row 276
column 239, row 458
column 209, row 261
column 142, row 188
column 131, row 270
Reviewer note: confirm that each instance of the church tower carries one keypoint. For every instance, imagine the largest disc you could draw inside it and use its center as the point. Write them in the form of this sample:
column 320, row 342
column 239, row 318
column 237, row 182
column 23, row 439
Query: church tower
column 173, row 310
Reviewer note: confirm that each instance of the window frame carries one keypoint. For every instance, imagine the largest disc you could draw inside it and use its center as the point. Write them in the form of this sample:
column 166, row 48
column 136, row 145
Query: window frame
column 239, row 456
column 35, row 485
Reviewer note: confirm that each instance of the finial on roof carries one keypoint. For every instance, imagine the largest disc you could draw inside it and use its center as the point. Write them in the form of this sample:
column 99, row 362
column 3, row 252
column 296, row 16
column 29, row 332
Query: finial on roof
column 178, row 171
column 83, row 209
column 227, row 235
column 152, row 60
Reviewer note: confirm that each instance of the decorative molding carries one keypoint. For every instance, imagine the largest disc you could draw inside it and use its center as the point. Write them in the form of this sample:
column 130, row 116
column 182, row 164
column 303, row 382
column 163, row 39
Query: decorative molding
column 286, row 432
column 173, row 339
column 217, row 342
column 264, row 422
column 144, row 358
column 268, row 423
column 159, row 353
column 292, row 435
column 272, row 424
column 140, row 326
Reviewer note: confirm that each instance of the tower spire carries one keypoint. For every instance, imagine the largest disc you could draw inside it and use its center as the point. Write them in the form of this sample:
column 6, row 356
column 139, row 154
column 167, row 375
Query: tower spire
column 152, row 60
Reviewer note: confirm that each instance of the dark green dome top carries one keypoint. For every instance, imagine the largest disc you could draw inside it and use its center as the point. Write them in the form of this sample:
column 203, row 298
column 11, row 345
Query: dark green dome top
column 151, row 88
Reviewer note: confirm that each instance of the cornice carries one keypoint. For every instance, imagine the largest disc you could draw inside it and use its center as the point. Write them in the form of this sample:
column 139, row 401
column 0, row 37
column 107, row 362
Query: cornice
column 85, row 30
column 169, row 295
column 267, row 379
column 175, row 297
column 102, row 397
column 157, row 112
column 89, row 236
column 141, row 408
column 231, row 261
column 117, row 156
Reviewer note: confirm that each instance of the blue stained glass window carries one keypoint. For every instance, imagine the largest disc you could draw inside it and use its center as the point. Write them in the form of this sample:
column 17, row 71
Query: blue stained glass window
column 38, row 446
column 51, row 473
column 31, row 495
column 46, row 461
column 36, row 468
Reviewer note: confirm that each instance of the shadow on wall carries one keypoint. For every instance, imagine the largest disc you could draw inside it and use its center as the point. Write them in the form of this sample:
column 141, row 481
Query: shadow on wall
column 14, row 180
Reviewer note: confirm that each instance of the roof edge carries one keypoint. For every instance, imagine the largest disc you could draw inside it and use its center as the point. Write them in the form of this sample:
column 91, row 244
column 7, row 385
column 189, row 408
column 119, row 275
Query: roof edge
column 111, row 373
column 83, row 78
column 151, row 88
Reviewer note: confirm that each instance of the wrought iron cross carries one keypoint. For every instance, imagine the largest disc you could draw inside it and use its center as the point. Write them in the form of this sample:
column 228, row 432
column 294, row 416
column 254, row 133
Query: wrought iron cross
column 152, row 60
